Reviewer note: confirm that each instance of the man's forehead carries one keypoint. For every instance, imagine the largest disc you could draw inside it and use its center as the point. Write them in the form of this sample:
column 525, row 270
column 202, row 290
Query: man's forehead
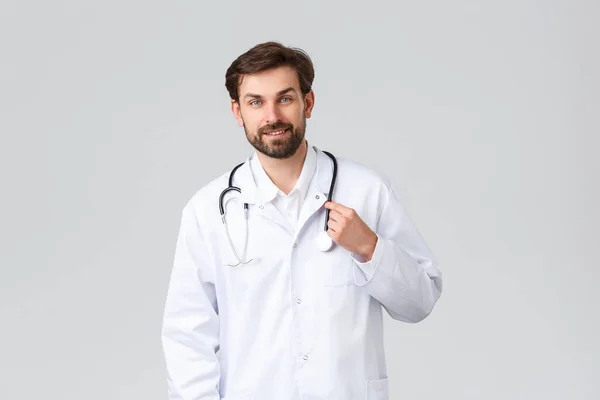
column 269, row 82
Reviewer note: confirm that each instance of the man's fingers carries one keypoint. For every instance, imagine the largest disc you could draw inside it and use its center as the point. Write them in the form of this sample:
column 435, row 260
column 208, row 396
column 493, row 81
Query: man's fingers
column 337, row 207
column 340, row 219
column 336, row 215
column 334, row 225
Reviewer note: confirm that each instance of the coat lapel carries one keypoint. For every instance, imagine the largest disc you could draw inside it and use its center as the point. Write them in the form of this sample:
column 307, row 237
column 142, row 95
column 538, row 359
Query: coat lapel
column 315, row 197
column 250, row 195
column 318, row 190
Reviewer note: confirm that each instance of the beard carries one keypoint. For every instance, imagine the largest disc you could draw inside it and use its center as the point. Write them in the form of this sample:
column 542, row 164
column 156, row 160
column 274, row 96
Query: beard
column 278, row 148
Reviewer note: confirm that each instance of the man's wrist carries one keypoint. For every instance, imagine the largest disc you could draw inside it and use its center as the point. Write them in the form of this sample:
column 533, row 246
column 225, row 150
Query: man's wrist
column 369, row 248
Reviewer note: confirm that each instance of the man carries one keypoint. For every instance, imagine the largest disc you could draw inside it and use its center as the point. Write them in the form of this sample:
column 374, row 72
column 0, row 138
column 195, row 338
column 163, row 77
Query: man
column 254, row 309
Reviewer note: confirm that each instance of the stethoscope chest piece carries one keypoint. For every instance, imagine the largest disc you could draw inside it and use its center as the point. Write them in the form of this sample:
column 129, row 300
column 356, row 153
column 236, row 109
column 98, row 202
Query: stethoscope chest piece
column 324, row 242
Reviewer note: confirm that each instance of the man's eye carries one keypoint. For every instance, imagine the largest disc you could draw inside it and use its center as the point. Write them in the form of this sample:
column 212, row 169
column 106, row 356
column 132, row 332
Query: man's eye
column 255, row 102
column 286, row 99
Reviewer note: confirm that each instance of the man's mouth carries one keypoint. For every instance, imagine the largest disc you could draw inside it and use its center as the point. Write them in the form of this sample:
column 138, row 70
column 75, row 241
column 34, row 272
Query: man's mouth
column 276, row 133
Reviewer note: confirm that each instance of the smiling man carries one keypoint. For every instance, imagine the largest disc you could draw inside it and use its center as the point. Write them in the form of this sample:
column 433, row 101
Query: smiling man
column 279, row 293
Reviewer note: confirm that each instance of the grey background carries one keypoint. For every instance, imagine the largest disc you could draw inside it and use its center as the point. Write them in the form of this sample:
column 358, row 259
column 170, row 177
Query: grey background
column 485, row 116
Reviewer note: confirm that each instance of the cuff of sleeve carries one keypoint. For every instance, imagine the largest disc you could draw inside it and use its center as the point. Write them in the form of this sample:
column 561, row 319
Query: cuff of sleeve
column 364, row 270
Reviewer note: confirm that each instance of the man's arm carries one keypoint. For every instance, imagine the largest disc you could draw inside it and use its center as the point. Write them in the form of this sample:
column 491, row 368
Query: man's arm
column 393, row 263
column 190, row 332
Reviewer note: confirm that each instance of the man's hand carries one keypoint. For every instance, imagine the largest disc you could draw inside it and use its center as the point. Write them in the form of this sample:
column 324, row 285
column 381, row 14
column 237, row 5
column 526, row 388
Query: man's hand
column 348, row 230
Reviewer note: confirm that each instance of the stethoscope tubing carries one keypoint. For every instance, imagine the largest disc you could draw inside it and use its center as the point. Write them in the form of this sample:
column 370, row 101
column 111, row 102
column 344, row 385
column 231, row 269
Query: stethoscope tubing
column 237, row 189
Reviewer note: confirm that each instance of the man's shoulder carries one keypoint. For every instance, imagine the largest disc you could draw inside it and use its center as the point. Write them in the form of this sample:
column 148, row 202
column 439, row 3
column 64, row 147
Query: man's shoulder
column 208, row 194
column 357, row 171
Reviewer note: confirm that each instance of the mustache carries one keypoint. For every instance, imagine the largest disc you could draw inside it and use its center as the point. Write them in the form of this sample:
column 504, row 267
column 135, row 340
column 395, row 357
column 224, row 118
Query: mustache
column 275, row 127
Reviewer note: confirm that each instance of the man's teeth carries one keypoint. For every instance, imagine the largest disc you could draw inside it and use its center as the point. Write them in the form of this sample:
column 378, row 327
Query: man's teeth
column 275, row 133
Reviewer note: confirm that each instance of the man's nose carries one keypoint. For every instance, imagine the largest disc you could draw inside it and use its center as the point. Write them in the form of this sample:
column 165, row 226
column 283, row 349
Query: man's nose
column 272, row 114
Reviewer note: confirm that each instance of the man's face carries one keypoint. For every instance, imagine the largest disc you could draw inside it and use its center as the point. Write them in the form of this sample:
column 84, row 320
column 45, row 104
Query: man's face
column 273, row 111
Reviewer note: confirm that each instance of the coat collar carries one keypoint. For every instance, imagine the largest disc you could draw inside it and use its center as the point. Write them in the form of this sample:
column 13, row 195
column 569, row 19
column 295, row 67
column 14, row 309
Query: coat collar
column 244, row 179
column 267, row 189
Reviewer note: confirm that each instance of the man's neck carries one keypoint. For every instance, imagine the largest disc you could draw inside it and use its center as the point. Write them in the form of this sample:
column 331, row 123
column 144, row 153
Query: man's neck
column 284, row 173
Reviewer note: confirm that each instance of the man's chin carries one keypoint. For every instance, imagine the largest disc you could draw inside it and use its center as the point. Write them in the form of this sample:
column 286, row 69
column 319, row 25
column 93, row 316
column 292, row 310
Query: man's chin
column 277, row 151
column 279, row 148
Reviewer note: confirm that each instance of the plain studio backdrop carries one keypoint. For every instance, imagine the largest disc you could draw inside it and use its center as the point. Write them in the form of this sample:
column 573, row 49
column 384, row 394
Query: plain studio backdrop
column 484, row 115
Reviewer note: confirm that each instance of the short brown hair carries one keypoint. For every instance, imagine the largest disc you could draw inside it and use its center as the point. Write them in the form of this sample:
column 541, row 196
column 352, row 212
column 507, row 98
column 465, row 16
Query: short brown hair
column 266, row 56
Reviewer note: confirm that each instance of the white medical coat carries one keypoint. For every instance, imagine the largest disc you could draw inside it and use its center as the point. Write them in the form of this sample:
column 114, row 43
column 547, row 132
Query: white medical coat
column 295, row 323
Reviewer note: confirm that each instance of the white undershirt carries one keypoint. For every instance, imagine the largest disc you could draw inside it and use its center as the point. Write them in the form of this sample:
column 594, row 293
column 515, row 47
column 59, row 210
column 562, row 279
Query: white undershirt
column 288, row 205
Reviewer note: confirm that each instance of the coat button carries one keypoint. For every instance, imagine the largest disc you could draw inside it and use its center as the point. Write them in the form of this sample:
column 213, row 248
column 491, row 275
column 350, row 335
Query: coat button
column 317, row 197
column 305, row 358
column 299, row 301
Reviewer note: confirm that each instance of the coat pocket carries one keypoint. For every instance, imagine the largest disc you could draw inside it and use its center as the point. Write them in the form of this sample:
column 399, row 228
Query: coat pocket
column 336, row 266
column 378, row 389
column 339, row 273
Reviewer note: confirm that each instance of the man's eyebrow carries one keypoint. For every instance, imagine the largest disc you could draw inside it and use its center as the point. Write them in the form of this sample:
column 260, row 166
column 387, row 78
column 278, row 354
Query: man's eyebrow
column 284, row 91
column 258, row 96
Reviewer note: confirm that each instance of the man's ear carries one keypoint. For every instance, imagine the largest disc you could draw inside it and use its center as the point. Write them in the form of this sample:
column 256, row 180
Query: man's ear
column 237, row 113
column 309, row 103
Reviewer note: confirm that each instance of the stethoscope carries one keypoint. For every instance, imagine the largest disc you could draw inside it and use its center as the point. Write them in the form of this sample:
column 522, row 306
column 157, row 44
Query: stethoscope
column 324, row 241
